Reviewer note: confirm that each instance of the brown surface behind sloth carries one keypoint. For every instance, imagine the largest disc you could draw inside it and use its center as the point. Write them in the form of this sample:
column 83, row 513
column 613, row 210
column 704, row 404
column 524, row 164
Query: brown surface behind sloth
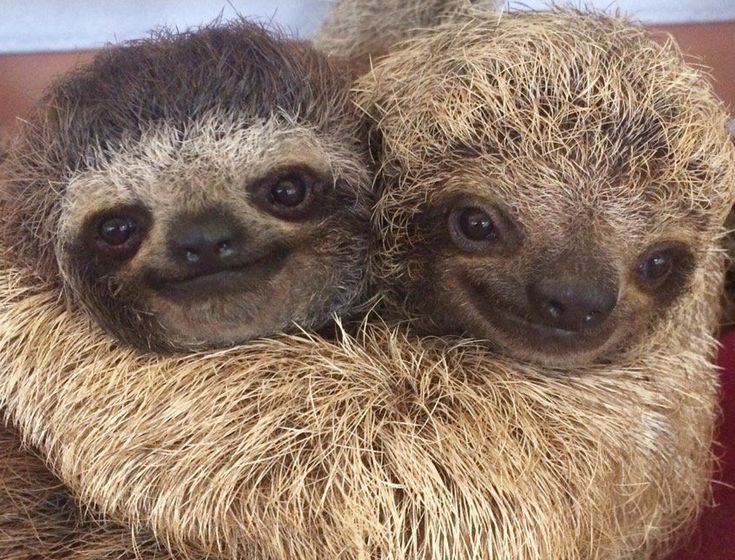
column 549, row 181
column 196, row 189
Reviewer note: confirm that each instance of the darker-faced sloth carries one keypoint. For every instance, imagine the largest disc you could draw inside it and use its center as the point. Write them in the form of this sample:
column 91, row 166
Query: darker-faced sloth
column 196, row 189
column 187, row 191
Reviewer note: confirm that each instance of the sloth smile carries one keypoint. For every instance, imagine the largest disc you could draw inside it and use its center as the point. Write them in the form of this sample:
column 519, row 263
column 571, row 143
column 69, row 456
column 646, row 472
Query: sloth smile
column 555, row 337
column 518, row 329
column 215, row 282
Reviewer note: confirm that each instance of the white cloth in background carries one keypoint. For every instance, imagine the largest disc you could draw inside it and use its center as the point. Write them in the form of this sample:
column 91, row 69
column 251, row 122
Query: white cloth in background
column 41, row 25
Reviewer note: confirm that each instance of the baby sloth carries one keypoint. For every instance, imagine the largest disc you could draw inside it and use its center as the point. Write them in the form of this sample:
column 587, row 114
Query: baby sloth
column 547, row 181
column 196, row 189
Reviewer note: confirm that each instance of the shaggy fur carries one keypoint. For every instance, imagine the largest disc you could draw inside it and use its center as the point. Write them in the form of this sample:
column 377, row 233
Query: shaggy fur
column 184, row 139
column 167, row 128
column 40, row 520
column 590, row 149
column 385, row 446
column 367, row 28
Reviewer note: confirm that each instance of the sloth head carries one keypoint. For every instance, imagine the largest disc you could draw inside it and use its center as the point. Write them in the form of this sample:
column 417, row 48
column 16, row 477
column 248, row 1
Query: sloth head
column 552, row 183
column 196, row 189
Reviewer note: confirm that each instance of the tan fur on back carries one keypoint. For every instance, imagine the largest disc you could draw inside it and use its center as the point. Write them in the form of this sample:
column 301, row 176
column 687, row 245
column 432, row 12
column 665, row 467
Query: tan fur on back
column 40, row 520
column 364, row 28
column 384, row 446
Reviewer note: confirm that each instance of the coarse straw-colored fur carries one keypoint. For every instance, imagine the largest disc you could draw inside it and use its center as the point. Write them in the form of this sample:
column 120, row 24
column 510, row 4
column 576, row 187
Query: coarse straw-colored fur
column 594, row 141
column 40, row 520
column 363, row 28
column 384, row 446
column 381, row 446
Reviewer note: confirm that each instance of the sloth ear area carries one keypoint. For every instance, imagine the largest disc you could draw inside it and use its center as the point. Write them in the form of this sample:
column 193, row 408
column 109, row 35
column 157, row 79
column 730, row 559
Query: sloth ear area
column 291, row 193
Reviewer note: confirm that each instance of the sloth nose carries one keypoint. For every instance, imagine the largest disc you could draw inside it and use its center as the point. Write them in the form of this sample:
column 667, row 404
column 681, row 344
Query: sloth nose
column 573, row 304
column 205, row 244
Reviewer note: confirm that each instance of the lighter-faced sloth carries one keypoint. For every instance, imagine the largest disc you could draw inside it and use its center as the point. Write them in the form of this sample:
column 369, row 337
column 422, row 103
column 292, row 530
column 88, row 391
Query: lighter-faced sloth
column 197, row 189
column 550, row 182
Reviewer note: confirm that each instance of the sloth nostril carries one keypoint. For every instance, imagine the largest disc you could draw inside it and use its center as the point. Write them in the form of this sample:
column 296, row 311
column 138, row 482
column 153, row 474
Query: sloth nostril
column 224, row 249
column 206, row 243
column 191, row 256
column 555, row 309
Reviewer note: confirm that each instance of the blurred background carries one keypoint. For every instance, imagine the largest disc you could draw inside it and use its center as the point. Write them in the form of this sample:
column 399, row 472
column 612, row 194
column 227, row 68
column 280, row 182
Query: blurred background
column 42, row 38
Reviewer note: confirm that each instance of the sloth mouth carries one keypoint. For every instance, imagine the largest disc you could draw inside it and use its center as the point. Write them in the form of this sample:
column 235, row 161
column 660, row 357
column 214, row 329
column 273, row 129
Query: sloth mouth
column 236, row 278
column 521, row 335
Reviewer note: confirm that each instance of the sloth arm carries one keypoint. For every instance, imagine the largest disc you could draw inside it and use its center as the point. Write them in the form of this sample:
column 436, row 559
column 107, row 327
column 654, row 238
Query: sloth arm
column 300, row 447
column 41, row 519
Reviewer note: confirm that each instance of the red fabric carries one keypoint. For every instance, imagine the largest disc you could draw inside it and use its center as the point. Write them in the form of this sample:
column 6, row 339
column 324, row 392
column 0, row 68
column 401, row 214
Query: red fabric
column 714, row 538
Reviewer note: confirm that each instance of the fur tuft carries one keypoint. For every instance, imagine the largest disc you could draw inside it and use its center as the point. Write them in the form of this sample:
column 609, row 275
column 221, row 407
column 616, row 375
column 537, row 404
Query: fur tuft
column 40, row 520
column 359, row 29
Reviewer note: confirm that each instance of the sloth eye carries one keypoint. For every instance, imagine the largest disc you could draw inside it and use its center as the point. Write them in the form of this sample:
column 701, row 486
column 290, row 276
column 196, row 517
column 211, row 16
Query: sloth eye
column 656, row 268
column 289, row 194
column 476, row 225
column 289, row 191
column 118, row 234
column 663, row 265
column 478, row 228
column 117, row 231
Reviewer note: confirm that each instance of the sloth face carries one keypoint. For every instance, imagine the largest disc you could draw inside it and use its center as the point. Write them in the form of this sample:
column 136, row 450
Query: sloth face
column 552, row 183
column 196, row 189
column 215, row 234
column 551, row 290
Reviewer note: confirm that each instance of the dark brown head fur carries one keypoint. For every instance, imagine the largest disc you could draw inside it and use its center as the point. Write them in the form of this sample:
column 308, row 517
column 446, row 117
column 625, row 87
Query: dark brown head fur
column 196, row 189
